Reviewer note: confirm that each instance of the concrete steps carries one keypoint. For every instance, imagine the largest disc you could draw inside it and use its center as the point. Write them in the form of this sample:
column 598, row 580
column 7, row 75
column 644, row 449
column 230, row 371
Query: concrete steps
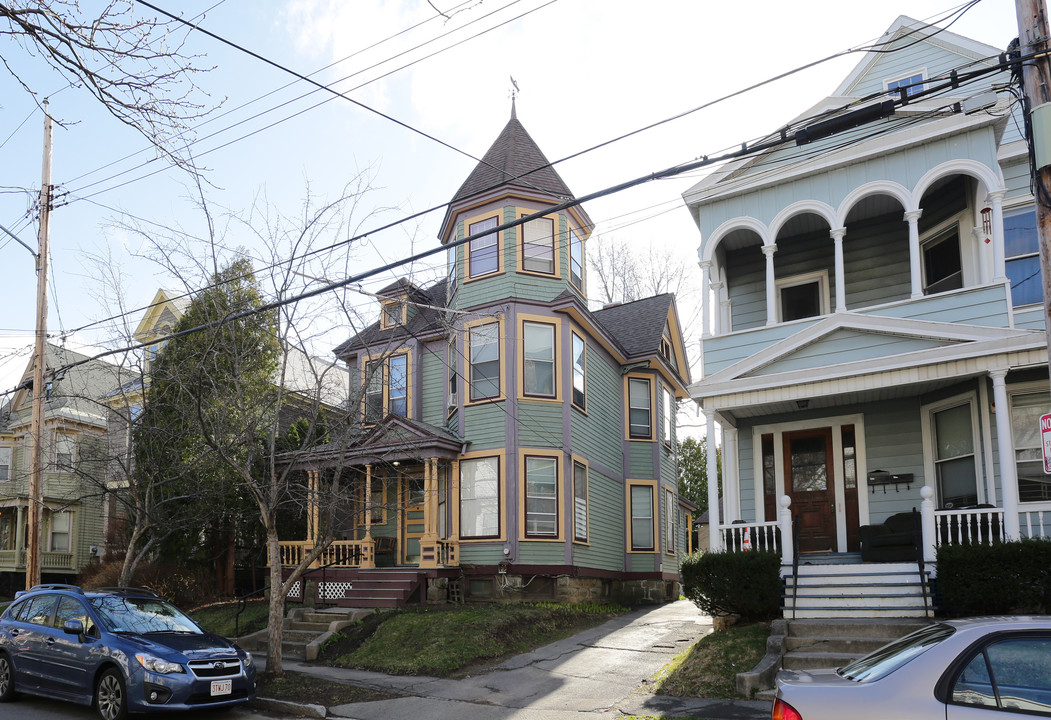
column 305, row 630
column 823, row 643
column 854, row 590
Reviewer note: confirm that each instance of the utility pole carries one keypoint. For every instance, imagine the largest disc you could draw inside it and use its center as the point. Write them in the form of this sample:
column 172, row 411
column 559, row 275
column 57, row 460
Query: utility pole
column 1036, row 77
column 36, row 466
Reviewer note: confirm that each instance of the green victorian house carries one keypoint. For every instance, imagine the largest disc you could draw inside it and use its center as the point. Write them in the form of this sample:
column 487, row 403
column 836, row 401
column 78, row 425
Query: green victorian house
column 514, row 444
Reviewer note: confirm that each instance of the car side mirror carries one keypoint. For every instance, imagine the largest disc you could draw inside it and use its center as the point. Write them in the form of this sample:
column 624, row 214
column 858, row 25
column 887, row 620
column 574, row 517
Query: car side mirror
column 73, row 627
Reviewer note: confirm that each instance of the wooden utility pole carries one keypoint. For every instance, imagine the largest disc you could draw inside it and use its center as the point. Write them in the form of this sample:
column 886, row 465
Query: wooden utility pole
column 36, row 465
column 1036, row 85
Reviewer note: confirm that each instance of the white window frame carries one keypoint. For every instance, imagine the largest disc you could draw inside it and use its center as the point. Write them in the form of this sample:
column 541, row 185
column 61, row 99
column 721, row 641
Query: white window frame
column 902, row 80
column 818, row 276
column 477, row 246
column 649, row 409
column 580, row 502
column 933, row 237
column 576, row 270
column 930, row 449
column 67, row 518
column 472, row 332
column 651, row 537
column 404, row 388
column 1027, row 388
column 539, row 234
column 668, row 427
column 6, row 455
column 374, row 388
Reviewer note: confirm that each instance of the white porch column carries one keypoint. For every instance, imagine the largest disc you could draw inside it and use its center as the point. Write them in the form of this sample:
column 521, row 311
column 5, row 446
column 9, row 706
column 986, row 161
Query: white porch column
column 706, row 306
column 999, row 268
column 928, row 531
column 715, row 537
column 731, row 478
column 912, row 217
column 841, row 296
column 717, row 291
column 785, row 521
column 1005, row 448
column 771, row 288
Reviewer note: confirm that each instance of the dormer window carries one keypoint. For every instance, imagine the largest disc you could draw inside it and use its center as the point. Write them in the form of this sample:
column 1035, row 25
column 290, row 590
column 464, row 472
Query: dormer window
column 393, row 314
column 913, row 85
column 538, row 246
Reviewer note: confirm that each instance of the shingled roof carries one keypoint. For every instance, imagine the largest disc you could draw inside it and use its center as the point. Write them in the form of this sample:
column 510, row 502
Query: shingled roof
column 514, row 154
column 637, row 326
column 424, row 322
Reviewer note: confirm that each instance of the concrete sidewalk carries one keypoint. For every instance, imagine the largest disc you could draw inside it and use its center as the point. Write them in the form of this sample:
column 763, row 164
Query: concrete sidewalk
column 603, row 673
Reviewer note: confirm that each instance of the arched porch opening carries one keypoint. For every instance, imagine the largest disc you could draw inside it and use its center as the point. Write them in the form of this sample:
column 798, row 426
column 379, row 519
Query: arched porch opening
column 876, row 256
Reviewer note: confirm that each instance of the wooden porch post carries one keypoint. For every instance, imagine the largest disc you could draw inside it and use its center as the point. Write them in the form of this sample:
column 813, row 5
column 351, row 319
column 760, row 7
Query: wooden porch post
column 429, row 540
column 368, row 545
column 312, row 505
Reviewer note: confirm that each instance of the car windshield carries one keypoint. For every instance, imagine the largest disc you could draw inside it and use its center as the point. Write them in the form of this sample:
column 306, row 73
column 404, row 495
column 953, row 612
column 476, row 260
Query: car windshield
column 889, row 658
column 141, row 615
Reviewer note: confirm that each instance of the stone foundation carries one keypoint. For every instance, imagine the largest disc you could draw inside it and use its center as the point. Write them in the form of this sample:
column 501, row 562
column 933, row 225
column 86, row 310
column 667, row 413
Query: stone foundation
column 559, row 588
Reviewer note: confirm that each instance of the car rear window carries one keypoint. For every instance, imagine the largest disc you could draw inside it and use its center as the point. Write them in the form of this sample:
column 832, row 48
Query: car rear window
column 887, row 659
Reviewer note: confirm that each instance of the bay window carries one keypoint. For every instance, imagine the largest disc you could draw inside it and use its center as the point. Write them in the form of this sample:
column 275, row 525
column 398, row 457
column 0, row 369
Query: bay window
column 484, row 342
column 538, row 350
column 640, row 409
column 484, row 253
column 538, row 246
column 541, row 496
column 480, row 498
column 641, row 510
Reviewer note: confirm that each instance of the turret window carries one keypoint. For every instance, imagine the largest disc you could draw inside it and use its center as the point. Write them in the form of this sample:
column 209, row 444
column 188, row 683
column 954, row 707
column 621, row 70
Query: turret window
column 539, row 359
column 485, row 257
column 484, row 343
column 576, row 260
column 538, row 246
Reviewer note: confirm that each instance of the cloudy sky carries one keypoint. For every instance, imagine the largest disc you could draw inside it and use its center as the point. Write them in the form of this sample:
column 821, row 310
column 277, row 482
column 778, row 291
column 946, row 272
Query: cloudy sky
column 588, row 71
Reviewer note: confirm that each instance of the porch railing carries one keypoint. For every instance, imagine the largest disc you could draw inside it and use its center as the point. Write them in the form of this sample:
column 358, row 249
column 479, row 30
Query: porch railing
column 16, row 559
column 353, row 553
column 979, row 526
column 754, row 535
column 1035, row 523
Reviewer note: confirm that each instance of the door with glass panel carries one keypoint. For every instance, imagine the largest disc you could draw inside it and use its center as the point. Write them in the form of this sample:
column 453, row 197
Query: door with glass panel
column 809, row 480
column 412, row 525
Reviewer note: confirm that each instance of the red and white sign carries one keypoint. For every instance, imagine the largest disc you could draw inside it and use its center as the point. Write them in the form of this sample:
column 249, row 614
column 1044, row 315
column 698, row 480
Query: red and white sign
column 1045, row 441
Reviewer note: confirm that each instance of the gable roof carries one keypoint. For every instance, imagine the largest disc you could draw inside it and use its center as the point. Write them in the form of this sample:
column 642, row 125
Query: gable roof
column 424, row 322
column 637, row 326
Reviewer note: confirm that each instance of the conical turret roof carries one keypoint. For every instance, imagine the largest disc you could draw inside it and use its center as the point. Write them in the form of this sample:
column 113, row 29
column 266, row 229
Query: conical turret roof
column 512, row 161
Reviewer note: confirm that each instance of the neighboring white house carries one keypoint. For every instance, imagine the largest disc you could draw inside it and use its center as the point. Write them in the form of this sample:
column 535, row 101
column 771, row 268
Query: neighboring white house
column 877, row 326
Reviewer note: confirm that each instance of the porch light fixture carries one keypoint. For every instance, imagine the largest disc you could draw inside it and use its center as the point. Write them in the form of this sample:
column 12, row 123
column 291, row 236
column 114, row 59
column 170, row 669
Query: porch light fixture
column 396, row 463
column 987, row 222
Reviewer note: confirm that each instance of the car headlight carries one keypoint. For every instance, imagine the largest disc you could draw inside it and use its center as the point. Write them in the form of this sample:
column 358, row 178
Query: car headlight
column 155, row 664
column 248, row 660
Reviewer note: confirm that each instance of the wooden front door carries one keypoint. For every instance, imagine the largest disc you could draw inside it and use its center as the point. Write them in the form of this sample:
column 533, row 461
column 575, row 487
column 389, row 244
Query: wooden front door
column 809, row 480
column 412, row 525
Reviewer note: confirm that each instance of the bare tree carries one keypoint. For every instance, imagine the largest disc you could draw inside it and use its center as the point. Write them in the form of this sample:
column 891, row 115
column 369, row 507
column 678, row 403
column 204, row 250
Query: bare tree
column 134, row 65
column 622, row 272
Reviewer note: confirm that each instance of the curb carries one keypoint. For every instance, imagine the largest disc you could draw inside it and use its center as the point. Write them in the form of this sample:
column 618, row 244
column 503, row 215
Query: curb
column 291, row 708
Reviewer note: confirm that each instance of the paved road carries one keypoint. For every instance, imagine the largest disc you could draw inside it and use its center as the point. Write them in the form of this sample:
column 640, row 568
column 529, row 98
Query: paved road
column 601, row 673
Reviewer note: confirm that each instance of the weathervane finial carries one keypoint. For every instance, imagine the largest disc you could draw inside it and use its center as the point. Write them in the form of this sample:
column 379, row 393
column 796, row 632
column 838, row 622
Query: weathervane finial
column 514, row 94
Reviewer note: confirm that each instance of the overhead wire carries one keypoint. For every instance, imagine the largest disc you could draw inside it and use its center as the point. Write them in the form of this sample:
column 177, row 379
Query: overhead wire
column 730, row 155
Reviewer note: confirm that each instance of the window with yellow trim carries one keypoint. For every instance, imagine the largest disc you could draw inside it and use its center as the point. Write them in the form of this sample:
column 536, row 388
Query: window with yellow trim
column 538, row 355
column 484, row 349
column 541, row 501
column 641, row 509
column 576, row 260
column 386, row 387
column 580, row 502
column 484, row 250
column 579, row 369
column 393, row 314
column 538, row 246
column 480, row 498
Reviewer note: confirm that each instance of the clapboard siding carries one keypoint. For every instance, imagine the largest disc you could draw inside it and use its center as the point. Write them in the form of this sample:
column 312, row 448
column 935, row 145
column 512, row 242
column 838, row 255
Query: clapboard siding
column 606, row 518
column 433, row 372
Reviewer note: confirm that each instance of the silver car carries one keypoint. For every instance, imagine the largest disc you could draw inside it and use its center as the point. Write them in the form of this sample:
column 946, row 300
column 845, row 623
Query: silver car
column 972, row 668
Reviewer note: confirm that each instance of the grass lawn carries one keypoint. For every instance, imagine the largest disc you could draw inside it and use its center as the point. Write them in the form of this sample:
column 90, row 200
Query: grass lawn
column 454, row 641
column 709, row 669
column 221, row 618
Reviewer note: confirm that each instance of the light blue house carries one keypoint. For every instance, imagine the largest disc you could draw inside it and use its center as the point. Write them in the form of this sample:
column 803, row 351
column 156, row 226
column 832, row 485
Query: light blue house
column 874, row 337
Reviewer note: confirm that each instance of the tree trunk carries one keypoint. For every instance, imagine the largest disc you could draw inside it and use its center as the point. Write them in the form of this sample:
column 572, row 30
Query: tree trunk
column 276, row 624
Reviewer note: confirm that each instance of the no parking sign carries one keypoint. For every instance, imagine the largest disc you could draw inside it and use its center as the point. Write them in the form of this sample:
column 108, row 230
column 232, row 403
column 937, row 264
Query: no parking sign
column 1045, row 441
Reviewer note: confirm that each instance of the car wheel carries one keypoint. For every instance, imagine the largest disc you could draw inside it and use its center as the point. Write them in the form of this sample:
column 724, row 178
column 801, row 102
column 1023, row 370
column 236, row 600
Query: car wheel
column 111, row 701
column 7, row 679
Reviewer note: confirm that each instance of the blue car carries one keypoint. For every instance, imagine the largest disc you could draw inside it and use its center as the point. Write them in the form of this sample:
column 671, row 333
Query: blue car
column 120, row 649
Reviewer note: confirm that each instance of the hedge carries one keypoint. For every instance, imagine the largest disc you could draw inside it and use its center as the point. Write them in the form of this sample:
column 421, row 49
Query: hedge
column 739, row 583
column 1004, row 578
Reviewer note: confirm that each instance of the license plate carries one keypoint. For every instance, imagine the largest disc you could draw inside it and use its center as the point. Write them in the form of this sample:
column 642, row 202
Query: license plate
column 222, row 687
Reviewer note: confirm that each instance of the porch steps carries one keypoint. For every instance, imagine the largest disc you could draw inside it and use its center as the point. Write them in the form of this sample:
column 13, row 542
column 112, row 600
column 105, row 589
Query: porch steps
column 380, row 588
column 854, row 590
column 823, row 643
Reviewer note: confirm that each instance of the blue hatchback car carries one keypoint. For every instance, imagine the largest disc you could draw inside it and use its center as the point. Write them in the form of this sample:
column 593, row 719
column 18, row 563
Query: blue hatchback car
column 120, row 649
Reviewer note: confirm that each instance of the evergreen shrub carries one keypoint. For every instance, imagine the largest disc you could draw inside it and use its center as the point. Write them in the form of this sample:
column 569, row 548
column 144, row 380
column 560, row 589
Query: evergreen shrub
column 1000, row 579
column 738, row 583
